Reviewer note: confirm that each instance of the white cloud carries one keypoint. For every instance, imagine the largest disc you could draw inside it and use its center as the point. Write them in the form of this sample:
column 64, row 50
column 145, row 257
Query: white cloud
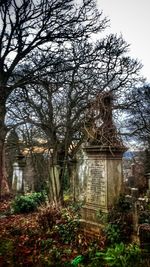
column 132, row 19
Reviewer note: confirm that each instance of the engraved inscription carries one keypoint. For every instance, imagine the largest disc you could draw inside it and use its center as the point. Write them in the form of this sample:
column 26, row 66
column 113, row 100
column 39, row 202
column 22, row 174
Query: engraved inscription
column 96, row 184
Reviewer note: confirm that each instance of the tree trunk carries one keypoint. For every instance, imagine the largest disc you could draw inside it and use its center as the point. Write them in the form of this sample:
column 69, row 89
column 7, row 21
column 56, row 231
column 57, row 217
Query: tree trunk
column 4, row 188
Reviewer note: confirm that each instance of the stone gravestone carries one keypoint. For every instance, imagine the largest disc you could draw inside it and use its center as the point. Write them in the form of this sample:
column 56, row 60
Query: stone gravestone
column 17, row 180
column 100, row 173
column 18, row 177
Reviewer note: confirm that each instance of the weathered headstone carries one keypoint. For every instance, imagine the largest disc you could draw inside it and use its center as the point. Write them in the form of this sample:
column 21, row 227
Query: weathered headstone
column 102, row 181
column 100, row 172
column 18, row 179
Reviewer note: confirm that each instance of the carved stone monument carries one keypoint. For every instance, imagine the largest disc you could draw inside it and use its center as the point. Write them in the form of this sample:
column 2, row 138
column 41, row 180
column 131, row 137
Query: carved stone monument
column 100, row 175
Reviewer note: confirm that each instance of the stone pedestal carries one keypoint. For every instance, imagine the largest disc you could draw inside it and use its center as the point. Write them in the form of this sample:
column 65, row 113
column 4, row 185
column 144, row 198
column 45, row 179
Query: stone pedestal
column 101, row 180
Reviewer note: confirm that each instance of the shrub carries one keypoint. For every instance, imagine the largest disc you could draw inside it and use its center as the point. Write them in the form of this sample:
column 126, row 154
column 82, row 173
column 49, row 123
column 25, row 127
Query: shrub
column 118, row 256
column 68, row 226
column 39, row 197
column 122, row 217
column 123, row 204
column 68, row 231
column 121, row 255
column 28, row 203
column 112, row 234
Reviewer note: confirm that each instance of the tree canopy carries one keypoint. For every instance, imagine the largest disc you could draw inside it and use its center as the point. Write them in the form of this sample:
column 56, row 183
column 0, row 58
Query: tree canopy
column 51, row 69
column 26, row 27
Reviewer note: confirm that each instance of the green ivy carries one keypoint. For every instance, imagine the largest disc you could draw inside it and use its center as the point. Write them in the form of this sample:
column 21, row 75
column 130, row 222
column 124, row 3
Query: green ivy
column 112, row 232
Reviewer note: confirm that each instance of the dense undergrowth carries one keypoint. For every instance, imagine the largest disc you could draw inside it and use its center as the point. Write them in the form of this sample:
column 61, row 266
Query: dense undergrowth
column 35, row 234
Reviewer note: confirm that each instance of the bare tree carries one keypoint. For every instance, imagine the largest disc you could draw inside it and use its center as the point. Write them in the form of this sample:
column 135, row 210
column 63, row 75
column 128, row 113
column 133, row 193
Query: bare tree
column 138, row 120
column 26, row 25
column 139, row 114
column 59, row 100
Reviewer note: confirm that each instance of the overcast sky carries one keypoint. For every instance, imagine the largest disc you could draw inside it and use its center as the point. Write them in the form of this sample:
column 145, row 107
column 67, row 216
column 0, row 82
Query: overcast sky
column 131, row 18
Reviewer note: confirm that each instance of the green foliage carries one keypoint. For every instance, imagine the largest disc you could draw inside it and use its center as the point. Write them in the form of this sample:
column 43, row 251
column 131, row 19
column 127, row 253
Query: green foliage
column 28, row 203
column 68, row 227
column 76, row 207
column 55, row 253
column 64, row 222
column 77, row 260
column 102, row 217
column 94, row 256
column 122, row 216
column 39, row 197
column 123, row 204
column 24, row 204
column 6, row 246
column 97, row 260
column 6, row 251
column 22, row 243
column 46, row 243
column 112, row 233
column 123, row 256
column 53, row 258
column 118, row 256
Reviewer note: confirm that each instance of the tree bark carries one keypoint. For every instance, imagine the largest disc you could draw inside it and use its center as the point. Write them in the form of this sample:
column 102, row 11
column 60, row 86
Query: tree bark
column 4, row 188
